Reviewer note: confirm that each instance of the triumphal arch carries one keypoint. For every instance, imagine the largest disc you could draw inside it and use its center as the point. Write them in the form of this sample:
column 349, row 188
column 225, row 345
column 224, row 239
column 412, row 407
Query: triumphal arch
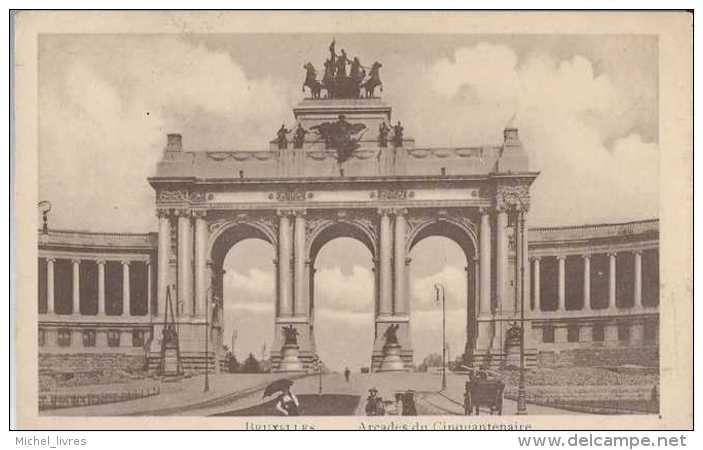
column 344, row 168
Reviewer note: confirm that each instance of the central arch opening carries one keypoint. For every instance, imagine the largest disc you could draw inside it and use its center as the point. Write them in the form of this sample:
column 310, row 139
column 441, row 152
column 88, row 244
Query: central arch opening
column 244, row 284
column 442, row 253
column 342, row 304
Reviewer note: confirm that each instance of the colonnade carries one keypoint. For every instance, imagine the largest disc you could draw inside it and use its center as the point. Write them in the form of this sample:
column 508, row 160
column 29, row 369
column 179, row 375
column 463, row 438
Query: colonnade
column 612, row 281
column 76, row 285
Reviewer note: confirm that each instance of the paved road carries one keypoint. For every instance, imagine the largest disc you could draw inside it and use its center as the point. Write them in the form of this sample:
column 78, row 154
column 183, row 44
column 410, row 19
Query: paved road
column 231, row 393
column 429, row 400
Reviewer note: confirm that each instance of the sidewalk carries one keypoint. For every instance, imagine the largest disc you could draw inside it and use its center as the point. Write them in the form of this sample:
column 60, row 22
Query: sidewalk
column 176, row 397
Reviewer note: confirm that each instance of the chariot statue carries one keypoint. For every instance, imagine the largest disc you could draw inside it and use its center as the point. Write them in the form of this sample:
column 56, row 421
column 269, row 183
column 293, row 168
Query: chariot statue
column 336, row 82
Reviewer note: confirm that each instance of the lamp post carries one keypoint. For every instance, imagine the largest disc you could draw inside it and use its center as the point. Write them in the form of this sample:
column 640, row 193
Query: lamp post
column 437, row 288
column 519, row 221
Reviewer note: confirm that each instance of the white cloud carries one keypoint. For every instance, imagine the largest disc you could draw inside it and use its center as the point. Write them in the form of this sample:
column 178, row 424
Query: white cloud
column 454, row 281
column 254, row 286
column 566, row 114
column 353, row 292
column 104, row 116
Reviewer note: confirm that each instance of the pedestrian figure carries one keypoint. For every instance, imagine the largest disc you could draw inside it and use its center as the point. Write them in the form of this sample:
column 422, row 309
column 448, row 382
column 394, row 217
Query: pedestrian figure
column 347, row 374
column 288, row 404
column 374, row 404
column 409, row 403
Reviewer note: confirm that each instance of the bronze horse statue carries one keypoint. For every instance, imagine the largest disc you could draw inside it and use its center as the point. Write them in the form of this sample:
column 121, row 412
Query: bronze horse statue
column 311, row 81
column 374, row 80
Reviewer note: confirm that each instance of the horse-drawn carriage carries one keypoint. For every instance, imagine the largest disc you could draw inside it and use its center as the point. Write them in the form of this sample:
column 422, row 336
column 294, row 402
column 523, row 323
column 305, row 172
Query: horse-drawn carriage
column 481, row 391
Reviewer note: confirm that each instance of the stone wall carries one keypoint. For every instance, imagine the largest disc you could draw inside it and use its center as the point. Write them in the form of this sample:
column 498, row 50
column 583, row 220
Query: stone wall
column 66, row 369
column 601, row 357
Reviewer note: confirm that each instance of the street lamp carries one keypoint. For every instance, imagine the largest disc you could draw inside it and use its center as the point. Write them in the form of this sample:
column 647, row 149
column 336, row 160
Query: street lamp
column 519, row 220
column 437, row 289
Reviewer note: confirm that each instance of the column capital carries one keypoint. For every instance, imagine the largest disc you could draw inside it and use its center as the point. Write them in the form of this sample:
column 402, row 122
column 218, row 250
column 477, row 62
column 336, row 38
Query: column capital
column 535, row 258
column 485, row 210
column 284, row 212
column 125, row 262
column 612, row 254
column 182, row 212
column 51, row 259
column 75, row 260
column 299, row 212
column 199, row 213
column 400, row 211
column 586, row 256
column 163, row 212
column 561, row 257
column 408, row 260
column 384, row 211
column 637, row 252
column 101, row 261
column 148, row 262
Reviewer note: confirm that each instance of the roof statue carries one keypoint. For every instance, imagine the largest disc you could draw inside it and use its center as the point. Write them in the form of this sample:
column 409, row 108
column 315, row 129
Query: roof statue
column 341, row 135
column 337, row 82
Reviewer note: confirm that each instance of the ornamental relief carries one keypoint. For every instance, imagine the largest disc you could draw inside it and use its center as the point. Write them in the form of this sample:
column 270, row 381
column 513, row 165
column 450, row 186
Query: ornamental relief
column 392, row 194
column 266, row 223
column 290, row 196
column 420, row 218
column 316, row 223
column 515, row 193
column 177, row 196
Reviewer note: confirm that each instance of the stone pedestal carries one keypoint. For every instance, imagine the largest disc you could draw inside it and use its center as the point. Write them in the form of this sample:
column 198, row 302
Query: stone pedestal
column 403, row 341
column 392, row 362
column 290, row 361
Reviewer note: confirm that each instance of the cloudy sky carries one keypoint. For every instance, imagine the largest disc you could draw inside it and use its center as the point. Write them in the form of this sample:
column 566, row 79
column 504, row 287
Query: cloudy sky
column 586, row 107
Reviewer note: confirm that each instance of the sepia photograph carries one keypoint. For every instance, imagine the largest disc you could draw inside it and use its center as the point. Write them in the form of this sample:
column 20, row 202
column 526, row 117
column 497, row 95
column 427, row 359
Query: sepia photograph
column 342, row 222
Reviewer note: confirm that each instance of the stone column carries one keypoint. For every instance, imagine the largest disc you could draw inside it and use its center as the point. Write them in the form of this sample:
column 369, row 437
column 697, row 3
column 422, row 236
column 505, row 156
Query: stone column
column 536, row 282
column 485, row 265
column 300, row 305
column 587, row 283
column 101, row 287
column 408, row 293
column 477, row 284
column 562, row 283
column 484, row 314
column 149, row 307
column 164, row 248
column 185, row 265
column 50, row 285
column 285, row 306
column 201, row 273
column 501, row 257
column 525, row 260
column 386, row 242
column 399, row 262
column 76, row 286
column 638, row 280
column 125, row 288
column 611, row 281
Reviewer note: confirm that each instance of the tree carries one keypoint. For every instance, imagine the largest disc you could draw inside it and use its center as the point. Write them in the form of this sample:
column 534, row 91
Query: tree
column 231, row 362
column 251, row 365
